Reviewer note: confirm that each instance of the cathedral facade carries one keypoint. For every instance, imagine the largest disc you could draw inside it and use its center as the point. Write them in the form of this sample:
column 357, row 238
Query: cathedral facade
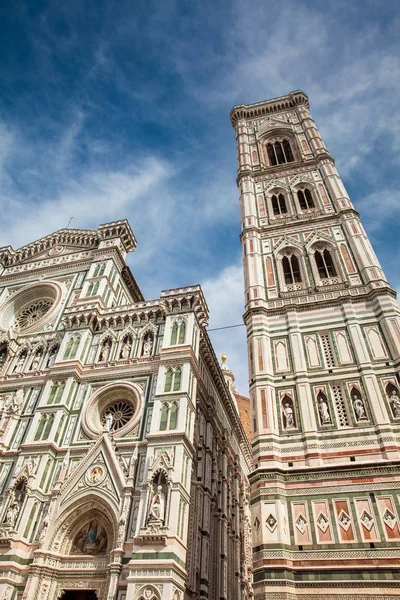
column 323, row 334
column 124, row 462
column 125, row 467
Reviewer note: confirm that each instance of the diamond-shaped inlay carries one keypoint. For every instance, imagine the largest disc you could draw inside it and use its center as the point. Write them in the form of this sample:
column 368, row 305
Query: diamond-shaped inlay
column 344, row 520
column 389, row 518
column 367, row 520
column 301, row 523
column 271, row 522
column 256, row 524
column 322, row 522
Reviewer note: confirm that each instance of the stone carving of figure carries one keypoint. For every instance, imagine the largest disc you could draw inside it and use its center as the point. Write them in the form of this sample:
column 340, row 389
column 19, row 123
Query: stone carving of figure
column 105, row 352
column 289, row 417
column 147, row 345
column 126, row 349
column 36, row 361
column 16, row 401
column 96, row 474
column 359, row 408
column 3, row 356
column 157, row 505
column 324, row 413
column 20, row 363
column 12, row 513
column 109, row 422
column 395, row 400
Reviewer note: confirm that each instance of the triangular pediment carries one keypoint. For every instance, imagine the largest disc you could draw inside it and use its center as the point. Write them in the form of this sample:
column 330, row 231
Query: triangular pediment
column 272, row 123
column 64, row 241
column 99, row 472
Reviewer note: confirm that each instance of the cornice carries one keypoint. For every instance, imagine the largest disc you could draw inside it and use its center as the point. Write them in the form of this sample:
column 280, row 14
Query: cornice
column 258, row 173
column 285, row 226
column 266, row 107
column 326, row 298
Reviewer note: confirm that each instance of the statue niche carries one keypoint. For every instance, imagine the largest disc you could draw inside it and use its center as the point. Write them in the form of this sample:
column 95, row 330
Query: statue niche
column 148, row 343
column 90, row 539
column 394, row 399
column 288, row 413
column 158, row 500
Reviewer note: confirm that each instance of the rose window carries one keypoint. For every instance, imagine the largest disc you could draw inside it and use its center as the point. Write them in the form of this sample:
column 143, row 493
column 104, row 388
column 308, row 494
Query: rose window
column 122, row 411
column 32, row 313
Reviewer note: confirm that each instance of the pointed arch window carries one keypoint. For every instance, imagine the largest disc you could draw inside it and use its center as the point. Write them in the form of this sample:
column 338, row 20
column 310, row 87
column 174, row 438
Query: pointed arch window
column 164, row 417
column 279, row 204
column 324, row 262
column 305, row 199
column 168, row 381
column 178, row 333
column 279, row 152
column 173, row 380
column 169, row 416
column 291, row 269
column 72, row 347
column 177, row 379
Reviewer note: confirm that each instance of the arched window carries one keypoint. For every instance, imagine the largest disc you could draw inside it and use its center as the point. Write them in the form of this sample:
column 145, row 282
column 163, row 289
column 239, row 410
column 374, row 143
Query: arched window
column 164, row 417
column 99, row 270
column 177, row 380
column 324, row 262
column 40, row 428
column 291, row 269
column 173, row 416
column 279, row 152
column 178, row 333
column 305, row 199
column 279, row 204
column 48, row 427
column 168, row 381
column 72, row 347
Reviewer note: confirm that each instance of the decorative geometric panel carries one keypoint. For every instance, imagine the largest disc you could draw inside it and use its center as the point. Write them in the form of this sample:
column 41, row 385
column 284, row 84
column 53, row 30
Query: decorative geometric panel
column 301, row 523
column 344, row 520
column 322, row 522
column 271, row 522
column 340, row 406
column 366, row 520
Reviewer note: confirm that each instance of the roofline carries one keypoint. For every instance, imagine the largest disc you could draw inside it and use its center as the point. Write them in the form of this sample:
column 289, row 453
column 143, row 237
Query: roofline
column 258, row 109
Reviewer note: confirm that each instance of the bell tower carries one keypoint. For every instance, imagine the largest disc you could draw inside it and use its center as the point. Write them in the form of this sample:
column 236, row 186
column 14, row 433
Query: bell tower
column 323, row 333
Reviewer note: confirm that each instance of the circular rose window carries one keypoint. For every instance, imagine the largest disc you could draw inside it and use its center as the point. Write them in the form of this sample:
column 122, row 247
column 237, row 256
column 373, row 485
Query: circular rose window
column 115, row 407
column 32, row 307
column 32, row 313
column 122, row 412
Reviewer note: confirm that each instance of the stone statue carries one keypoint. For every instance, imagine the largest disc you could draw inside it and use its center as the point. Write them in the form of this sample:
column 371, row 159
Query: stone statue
column 36, row 361
column 289, row 417
column 126, row 350
column 20, row 363
column 324, row 412
column 105, row 352
column 12, row 514
column 16, row 401
column 109, row 422
column 157, row 505
column 359, row 408
column 395, row 400
column 148, row 346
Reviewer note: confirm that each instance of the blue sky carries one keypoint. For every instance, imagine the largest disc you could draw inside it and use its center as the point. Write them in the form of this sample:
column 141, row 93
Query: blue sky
column 113, row 110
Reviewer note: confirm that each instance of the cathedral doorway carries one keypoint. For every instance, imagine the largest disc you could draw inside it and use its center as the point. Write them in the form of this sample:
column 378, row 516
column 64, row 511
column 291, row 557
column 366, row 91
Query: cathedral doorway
column 79, row 595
